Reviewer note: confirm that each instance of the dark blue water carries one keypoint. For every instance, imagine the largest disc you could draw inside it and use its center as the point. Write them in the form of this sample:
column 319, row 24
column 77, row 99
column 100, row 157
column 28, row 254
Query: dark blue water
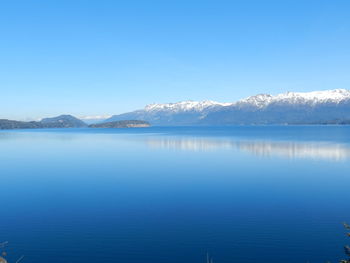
column 163, row 195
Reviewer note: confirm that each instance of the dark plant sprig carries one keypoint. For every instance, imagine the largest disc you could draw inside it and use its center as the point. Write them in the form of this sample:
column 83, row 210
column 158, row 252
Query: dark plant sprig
column 346, row 248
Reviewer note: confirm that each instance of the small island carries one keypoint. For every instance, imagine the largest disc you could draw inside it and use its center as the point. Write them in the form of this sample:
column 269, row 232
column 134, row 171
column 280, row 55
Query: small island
column 122, row 124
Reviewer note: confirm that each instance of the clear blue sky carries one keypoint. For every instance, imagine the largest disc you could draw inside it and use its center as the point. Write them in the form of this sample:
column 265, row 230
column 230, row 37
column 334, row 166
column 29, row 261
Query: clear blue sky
column 108, row 57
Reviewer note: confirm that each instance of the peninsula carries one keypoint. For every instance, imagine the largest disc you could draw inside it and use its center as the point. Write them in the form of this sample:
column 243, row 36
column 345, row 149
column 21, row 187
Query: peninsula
column 122, row 124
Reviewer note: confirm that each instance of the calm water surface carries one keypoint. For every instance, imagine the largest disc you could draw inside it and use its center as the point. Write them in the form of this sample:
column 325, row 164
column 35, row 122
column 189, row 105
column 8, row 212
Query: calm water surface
column 163, row 195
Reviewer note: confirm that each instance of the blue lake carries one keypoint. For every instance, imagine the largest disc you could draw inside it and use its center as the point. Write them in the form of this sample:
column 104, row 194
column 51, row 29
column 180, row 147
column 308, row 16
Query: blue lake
column 163, row 195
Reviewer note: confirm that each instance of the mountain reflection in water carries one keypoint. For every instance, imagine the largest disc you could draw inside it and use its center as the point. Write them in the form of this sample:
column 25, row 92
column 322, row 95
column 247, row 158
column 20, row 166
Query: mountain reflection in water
column 287, row 149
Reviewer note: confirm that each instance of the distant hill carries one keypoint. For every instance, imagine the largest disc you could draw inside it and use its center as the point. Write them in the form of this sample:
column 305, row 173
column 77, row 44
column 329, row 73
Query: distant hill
column 122, row 124
column 318, row 107
column 63, row 121
column 10, row 124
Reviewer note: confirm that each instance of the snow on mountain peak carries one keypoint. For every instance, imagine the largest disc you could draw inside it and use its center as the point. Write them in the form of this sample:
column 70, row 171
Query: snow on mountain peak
column 188, row 105
column 258, row 101
column 313, row 98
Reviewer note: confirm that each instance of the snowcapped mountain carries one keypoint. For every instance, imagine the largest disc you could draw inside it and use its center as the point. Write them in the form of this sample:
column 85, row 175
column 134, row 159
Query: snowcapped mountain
column 258, row 101
column 287, row 108
column 185, row 106
column 311, row 98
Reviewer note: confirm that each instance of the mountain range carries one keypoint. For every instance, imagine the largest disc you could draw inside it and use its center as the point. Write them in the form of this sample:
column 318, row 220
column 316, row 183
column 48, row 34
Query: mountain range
column 318, row 107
